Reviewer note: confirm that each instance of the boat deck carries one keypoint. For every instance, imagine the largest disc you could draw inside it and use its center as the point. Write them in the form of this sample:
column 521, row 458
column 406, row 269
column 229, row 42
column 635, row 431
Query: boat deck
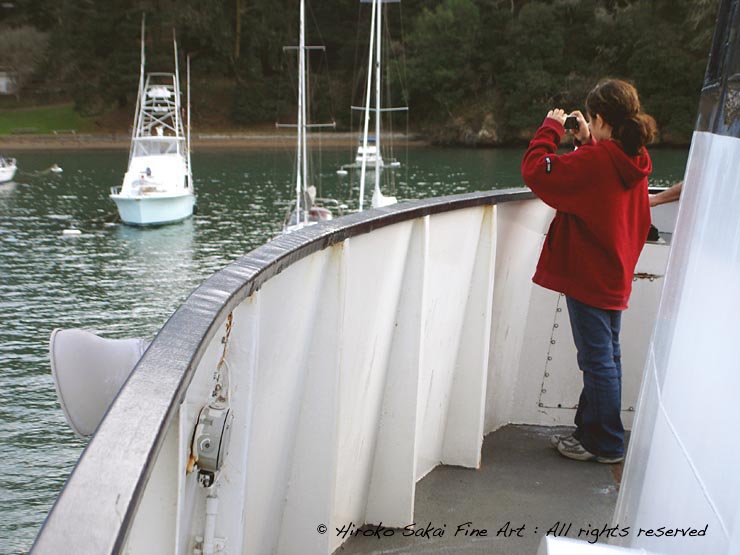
column 523, row 489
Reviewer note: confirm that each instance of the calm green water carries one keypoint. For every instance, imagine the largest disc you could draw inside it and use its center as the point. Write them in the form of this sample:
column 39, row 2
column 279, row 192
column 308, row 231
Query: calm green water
column 125, row 282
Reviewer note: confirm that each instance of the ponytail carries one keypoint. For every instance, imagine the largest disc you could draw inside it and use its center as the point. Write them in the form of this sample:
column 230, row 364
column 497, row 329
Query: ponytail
column 634, row 133
column 619, row 105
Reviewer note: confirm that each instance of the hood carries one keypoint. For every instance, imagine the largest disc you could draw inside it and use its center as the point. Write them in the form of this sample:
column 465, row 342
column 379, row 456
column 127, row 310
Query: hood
column 632, row 169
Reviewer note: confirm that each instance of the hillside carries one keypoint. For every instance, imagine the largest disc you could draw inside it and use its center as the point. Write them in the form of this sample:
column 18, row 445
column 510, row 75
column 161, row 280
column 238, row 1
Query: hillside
column 474, row 72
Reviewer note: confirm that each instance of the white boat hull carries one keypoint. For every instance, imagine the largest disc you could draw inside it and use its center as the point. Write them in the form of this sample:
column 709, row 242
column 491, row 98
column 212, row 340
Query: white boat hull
column 7, row 173
column 154, row 210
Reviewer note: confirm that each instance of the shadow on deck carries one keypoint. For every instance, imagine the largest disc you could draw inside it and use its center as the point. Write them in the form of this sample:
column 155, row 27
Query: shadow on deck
column 523, row 489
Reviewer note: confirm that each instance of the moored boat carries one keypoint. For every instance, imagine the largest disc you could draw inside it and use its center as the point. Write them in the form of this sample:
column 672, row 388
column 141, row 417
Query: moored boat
column 306, row 208
column 158, row 185
column 369, row 156
column 8, row 167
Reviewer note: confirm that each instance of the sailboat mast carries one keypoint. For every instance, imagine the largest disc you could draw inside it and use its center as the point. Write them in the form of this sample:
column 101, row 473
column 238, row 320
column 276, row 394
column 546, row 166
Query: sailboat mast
column 178, row 101
column 190, row 171
column 363, row 167
column 300, row 151
column 378, row 17
column 140, row 95
column 305, row 104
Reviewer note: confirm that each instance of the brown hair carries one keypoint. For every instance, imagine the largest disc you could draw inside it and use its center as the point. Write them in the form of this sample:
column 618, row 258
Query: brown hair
column 617, row 103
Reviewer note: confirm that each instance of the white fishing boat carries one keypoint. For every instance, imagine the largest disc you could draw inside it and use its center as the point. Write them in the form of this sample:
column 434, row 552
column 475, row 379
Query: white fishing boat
column 369, row 155
column 306, row 209
column 158, row 185
column 8, row 168
column 313, row 386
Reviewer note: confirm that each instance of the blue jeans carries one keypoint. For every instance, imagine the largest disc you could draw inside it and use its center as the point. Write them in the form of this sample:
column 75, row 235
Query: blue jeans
column 598, row 418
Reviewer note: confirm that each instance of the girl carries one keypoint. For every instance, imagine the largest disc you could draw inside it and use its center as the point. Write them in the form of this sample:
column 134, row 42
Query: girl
column 599, row 192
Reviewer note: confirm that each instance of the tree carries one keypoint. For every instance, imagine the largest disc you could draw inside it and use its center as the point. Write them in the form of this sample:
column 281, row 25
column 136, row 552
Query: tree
column 22, row 49
column 442, row 48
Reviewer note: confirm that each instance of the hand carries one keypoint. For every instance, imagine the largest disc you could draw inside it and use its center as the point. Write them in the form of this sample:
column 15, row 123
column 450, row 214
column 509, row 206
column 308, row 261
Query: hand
column 583, row 133
column 557, row 114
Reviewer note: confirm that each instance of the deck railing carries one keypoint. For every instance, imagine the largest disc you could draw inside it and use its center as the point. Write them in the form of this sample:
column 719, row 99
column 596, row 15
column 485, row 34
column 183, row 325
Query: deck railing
column 362, row 352
column 95, row 510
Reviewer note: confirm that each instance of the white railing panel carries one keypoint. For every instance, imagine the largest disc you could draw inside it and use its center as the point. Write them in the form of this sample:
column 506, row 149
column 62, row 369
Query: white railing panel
column 533, row 374
column 452, row 244
column 463, row 437
column 521, row 228
column 554, row 353
column 287, row 317
column 392, row 485
column 375, row 270
column 311, row 484
column 241, row 360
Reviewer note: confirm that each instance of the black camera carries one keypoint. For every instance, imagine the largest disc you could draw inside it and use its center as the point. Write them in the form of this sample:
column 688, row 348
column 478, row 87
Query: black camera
column 571, row 122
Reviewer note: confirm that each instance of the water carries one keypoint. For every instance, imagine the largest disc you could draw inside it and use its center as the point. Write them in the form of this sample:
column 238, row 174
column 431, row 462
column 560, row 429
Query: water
column 125, row 282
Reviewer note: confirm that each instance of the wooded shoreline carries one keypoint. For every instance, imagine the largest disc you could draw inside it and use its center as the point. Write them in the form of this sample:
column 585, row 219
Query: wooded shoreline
column 475, row 73
column 101, row 141
column 235, row 141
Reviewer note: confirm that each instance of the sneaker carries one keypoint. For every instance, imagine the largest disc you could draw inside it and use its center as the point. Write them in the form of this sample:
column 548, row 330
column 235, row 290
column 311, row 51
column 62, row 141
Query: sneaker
column 556, row 439
column 574, row 450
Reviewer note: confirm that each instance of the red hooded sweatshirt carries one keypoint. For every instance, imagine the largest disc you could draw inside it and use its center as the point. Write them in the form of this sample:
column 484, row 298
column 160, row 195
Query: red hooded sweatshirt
column 602, row 219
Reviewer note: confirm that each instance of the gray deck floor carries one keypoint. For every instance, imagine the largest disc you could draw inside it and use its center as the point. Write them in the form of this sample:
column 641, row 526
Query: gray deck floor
column 523, row 483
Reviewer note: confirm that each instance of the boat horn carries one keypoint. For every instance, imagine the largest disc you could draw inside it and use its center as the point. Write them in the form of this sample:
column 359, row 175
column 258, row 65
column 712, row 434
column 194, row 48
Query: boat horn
column 88, row 372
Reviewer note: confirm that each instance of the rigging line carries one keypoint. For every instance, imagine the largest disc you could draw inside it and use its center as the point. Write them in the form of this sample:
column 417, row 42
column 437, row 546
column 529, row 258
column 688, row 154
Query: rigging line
column 356, row 76
column 320, row 173
column 389, row 116
column 403, row 68
column 358, row 83
column 391, row 179
column 406, row 161
column 324, row 64
column 315, row 23
column 292, row 80
column 403, row 80
column 292, row 153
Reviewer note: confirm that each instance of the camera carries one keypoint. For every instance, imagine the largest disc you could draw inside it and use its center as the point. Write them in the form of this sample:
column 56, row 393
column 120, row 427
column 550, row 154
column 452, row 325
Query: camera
column 571, row 122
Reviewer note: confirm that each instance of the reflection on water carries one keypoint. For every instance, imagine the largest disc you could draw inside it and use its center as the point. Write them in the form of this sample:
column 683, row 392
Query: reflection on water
column 125, row 282
column 153, row 265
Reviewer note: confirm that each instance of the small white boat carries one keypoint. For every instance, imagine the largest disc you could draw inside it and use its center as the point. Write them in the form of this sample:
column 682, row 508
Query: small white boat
column 8, row 168
column 369, row 154
column 158, row 185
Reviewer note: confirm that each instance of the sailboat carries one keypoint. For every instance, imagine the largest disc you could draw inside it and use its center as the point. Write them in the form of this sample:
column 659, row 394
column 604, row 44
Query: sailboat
column 369, row 155
column 8, row 168
column 306, row 209
column 158, row 185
